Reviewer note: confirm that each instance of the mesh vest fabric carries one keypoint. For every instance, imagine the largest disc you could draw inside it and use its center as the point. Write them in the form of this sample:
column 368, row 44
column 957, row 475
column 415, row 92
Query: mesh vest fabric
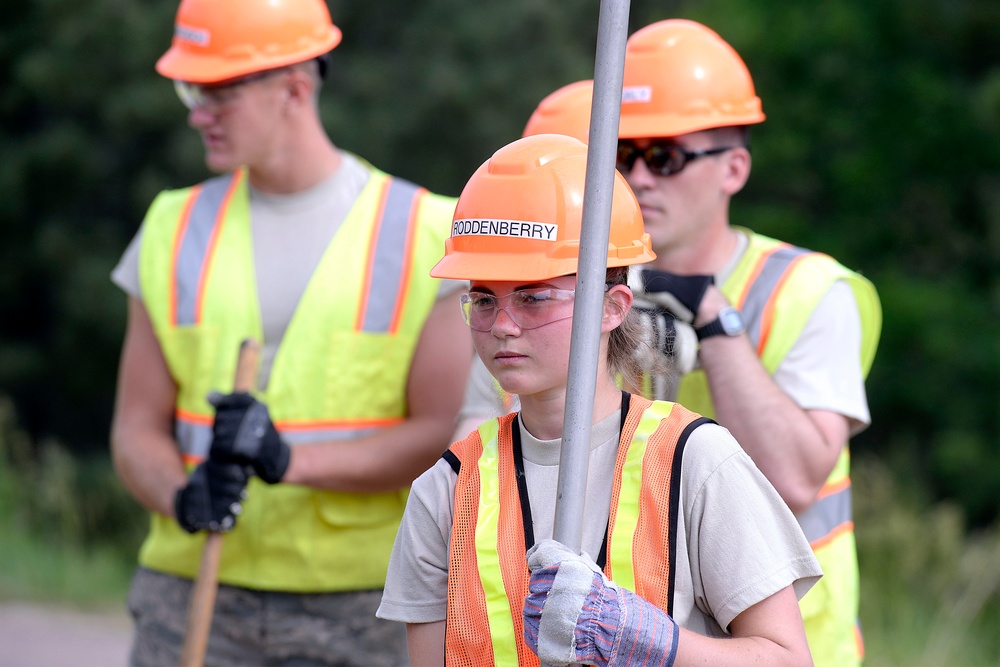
column 488, row 575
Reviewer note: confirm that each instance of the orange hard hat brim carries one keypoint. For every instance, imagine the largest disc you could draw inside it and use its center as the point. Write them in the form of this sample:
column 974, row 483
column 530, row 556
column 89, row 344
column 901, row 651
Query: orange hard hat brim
column 515, row 266
column 183, row 63
column 500, row 266
column 673, row 125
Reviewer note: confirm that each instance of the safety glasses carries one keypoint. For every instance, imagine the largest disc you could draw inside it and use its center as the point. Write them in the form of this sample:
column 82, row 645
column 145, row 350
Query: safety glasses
column 215, row 96
column 528, row 308
column 663, row 158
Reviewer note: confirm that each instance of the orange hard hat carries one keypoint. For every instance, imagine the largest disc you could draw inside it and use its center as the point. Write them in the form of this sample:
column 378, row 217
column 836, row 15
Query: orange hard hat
column 681, row 77
column 520, row 216
column 564, row 111
column 217, row 40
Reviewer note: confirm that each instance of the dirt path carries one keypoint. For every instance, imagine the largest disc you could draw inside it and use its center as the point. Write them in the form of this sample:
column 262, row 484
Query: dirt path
column 34, row 635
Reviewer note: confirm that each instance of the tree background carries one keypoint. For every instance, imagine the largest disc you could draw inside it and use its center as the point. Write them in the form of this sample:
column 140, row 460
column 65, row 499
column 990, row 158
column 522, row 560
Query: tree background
column 881, row 147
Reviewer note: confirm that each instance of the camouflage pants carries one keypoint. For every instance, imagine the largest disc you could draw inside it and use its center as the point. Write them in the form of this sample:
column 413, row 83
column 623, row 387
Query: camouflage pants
column 252, row 628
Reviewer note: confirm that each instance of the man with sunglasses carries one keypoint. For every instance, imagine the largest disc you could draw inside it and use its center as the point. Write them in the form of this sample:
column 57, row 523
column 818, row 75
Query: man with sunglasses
column 326, row 261
column 785, row 336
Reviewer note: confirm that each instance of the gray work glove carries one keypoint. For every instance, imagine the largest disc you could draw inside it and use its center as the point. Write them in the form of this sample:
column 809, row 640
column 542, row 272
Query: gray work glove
column 680, row 295
column 574, row 614
column 212, row 497
column 244, row 433
column 669, row 336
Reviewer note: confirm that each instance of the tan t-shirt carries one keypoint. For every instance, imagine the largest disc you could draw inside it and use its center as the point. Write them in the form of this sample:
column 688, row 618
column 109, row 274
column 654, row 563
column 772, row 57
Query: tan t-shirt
column 290, row 235
column 737, row 542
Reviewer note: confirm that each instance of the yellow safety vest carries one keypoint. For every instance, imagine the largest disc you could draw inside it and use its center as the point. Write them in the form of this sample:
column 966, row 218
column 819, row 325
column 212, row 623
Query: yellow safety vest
column 339, row 373
column 777, row 287
column 491, row 531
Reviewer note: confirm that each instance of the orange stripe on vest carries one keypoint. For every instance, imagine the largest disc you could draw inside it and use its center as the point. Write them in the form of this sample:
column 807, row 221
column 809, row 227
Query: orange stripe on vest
column 468, row 641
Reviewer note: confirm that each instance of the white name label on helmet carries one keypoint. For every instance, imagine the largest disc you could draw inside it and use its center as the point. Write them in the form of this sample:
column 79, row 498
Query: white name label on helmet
column 542, row 231
column 194, row 35
column 636, row 94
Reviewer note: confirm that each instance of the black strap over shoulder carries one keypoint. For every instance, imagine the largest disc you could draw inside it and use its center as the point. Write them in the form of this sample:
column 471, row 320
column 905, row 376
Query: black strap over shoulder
column 453, row 460
column 626, row 404
column 675, row 499
column 522, row 484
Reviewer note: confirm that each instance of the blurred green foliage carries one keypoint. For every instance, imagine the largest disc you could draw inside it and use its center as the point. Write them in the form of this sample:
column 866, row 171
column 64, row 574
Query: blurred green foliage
column 930, row 588
column 881, row 147
column 69, row 530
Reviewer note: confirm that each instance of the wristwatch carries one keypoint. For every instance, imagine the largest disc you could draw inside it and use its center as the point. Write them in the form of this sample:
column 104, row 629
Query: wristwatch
column 729, row 322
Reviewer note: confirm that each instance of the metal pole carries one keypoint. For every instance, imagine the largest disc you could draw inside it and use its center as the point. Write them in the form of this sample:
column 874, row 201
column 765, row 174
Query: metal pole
column 609, row 65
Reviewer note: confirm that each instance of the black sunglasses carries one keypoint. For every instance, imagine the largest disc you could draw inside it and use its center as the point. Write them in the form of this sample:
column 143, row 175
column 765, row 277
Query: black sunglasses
column 663, row 158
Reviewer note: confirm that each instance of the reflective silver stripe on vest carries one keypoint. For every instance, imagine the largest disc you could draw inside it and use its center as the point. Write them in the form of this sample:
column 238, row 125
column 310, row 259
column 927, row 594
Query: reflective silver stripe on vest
column 384, row 291
column 193, row 439
column 388, row 262
column 194, row 246
column 826, row 514
column 835, row 509
column 196, row 439
column 387, row 265
column 763, row 287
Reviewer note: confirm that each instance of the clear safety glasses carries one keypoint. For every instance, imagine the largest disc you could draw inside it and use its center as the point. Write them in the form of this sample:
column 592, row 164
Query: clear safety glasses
column 215, row 96
column 528, row 308
column 663, row 158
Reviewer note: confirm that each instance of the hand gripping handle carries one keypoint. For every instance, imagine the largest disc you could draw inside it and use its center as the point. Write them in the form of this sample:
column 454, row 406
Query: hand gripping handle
column 205, row 586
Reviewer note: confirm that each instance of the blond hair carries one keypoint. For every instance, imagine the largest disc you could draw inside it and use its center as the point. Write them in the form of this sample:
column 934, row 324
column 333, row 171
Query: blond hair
column 630, row 352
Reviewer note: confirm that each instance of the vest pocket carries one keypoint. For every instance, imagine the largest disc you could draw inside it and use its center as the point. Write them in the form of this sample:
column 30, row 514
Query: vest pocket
column 366, row 374
column 360, row 509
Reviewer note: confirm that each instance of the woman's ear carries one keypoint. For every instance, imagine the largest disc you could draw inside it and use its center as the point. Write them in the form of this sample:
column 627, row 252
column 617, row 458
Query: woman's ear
column 617, row 303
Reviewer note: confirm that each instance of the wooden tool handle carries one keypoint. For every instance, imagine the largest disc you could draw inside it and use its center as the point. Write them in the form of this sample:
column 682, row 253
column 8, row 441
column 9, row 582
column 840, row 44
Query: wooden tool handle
column 203, row 595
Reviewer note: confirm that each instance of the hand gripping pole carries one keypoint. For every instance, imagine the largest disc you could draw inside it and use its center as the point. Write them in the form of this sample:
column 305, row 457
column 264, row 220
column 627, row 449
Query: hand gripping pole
column 205, row 586
column 609, row 65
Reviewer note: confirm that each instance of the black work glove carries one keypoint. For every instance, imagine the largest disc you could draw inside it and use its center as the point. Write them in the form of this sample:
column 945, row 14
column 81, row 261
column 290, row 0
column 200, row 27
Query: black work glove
column 212, row 498
column 243, row 433
column 681, row 295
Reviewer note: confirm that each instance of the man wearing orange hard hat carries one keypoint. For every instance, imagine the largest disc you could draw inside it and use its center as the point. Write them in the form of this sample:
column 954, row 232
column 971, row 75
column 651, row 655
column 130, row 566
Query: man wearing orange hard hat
column 324, row 260
column 785, row 336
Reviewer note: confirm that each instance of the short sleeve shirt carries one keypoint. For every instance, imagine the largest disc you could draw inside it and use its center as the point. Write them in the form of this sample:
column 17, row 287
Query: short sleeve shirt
column 737, row 542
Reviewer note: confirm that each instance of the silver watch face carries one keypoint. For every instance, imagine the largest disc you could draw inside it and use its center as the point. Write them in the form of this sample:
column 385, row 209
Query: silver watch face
column 731, row 321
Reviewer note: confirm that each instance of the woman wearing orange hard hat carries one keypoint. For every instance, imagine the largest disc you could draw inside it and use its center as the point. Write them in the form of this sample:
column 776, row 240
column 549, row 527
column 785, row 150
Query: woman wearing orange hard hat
column 677, row 516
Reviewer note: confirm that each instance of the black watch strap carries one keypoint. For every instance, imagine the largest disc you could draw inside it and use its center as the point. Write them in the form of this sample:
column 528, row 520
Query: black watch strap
column 713, row 328
column 729, row 322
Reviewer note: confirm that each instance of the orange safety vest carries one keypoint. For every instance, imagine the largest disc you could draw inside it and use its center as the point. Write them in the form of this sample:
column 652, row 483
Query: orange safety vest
column 491, row 532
